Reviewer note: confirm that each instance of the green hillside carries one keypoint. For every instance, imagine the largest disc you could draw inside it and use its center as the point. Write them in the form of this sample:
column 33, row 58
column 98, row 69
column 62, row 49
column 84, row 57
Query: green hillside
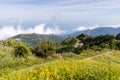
column 34, row 39
column 98, row 58
column 104, row 66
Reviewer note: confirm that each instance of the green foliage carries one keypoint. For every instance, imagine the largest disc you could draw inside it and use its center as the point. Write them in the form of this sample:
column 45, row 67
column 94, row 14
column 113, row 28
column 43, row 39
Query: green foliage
column 118, row 36
column 45, row 48
column 77, row 50
column 34, row 39
column 67, row 45
column 85, row 69
column 84, row 37
column 10, row 43
column 104, row 38
column 118, row 45
column 97, row 43
column 65, row 49
column 101, row 41
column 5, row 58
column 22, row 51
column 69, row 42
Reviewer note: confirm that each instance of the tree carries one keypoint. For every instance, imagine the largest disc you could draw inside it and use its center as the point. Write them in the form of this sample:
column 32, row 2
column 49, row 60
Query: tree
column 45, row 48
column 68, row 45
column 83, row 37
column 103, row 40
column 118, row 36
column 71, row 41
column 118, row 45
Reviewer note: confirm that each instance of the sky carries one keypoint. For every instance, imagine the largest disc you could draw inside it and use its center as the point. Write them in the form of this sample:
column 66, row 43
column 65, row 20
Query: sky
column 56, row 16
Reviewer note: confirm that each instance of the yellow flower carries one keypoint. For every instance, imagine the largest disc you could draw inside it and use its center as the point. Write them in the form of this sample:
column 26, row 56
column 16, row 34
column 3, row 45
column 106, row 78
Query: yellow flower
column 31, row 70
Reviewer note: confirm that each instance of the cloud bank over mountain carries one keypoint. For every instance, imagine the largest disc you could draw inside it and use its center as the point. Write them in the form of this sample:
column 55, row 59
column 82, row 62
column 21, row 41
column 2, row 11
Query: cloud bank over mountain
column 9, row 31
column 82, row 28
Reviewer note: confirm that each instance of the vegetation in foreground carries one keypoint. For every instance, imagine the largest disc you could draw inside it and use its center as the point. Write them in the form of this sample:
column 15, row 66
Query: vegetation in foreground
column 92, row 68
column 17, row 55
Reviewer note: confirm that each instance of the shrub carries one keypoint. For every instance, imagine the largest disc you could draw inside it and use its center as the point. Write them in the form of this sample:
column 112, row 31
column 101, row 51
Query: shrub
column 45, row 48
column 22, row 51
column 77, row 50
column 10, row 43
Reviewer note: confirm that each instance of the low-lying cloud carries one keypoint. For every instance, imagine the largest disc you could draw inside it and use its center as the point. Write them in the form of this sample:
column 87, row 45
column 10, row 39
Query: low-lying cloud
column 82, row 28
column 9, row 31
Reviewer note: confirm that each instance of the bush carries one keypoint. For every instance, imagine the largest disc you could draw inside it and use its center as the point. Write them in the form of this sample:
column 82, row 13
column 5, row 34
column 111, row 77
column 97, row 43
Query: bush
column 10, row 43
column 45, row 48
column 22, row 51
column 77, row 50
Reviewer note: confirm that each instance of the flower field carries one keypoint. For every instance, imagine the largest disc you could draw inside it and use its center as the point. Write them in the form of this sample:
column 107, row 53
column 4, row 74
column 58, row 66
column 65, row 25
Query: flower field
column 71, row 70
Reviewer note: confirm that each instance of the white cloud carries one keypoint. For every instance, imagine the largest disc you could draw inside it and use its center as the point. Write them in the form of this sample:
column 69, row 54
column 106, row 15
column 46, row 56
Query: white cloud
column 82, row 28
column 9, row 31
column 114, row 26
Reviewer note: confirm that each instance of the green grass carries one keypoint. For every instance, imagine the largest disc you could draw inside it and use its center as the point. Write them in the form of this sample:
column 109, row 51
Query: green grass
column 89, row 65
column 5, row 58
column 9, row 63
column 70, row 70
column 113, row 56
column 100, row 66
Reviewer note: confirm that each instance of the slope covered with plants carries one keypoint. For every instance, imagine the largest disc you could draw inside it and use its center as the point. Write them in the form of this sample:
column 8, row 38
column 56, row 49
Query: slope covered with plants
column 82, row 57
column 34, row 39
column 100, row 67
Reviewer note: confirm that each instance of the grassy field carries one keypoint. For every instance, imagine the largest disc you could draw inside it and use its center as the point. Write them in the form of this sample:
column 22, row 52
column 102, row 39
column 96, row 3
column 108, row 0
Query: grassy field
column 103, row 65
column 9, row 63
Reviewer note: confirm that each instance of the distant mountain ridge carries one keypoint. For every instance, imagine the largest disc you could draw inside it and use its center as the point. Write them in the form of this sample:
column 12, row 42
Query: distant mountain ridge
column 97, row 31
column 33, row 39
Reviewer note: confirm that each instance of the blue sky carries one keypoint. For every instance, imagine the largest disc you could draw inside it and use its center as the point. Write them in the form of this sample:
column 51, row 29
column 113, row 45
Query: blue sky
column 68, row 15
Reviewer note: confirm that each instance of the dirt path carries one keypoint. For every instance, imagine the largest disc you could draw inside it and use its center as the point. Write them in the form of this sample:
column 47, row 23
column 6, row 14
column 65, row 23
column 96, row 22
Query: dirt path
column 31, row 67
column 99, row 55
